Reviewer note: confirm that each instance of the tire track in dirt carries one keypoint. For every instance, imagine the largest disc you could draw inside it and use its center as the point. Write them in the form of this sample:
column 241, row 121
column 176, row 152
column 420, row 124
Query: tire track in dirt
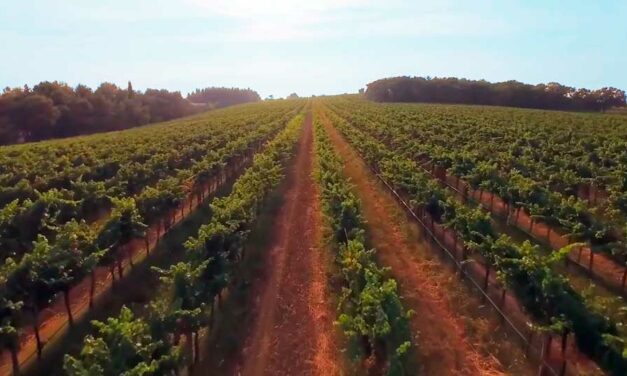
column 293, row 331
column 442, row 344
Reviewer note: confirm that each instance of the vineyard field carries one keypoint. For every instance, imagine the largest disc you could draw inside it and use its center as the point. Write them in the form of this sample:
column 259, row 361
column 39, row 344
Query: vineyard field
column 328, row 235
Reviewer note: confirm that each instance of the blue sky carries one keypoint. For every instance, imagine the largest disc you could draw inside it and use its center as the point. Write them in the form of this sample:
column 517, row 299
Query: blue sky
column 310, row 47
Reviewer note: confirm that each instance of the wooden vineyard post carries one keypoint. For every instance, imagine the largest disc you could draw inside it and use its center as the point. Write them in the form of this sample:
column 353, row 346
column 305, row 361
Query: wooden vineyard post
column 35, row 312
column 112, row 271
column 92, row 287
column 119, row 262
column 541, row 365
column 68, row 307
column 503, row 297
column 517, row 215
column 593, row 193
column 564, row 345
column 196, row 347
column 158, row 231
column 462, row 262
column 531, row 226
column 544, row 353
column 528, row 344
column 15, row 361
column 129, row 254
column 486, row 281
column 189, row 347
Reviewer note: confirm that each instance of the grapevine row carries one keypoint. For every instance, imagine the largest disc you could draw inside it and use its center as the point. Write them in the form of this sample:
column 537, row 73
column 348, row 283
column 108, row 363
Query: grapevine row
column 543, row 184
column 38, row 210
column 371, row 313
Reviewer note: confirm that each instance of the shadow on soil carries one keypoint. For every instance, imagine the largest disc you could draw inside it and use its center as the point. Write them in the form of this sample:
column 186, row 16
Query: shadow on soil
column 221, row 349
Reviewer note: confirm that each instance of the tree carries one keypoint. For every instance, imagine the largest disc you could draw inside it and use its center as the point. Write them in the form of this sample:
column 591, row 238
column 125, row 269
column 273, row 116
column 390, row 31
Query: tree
column 129, row 90
column 36, row 116
column 509, row 93
column 218, row 97
column 609, row 97
column 54, row 109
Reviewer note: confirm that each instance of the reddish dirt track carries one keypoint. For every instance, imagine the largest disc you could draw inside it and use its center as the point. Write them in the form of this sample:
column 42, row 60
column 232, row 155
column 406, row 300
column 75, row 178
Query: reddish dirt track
column 293, row 329
column 54, row 319
column 442, row 344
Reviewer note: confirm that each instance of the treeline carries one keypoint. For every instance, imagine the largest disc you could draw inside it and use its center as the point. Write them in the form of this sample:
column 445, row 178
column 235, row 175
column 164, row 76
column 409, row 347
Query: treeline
column 552, row 96
column 218, row 97
column 55, row 110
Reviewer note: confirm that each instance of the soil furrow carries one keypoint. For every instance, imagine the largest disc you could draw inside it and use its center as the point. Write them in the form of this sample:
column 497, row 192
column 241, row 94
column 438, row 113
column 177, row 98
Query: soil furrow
column 293, row 330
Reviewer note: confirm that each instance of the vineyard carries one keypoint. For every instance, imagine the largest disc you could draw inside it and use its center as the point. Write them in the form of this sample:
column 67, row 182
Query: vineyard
column 326, row 236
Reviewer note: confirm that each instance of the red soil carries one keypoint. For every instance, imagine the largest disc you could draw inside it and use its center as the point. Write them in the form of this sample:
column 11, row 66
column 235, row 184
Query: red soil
column 293, row 330
column 593, row 194
column 54, row 319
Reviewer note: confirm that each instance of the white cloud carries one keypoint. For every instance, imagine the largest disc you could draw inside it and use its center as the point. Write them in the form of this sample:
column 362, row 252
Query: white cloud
column 295, row 20
column 254, row 9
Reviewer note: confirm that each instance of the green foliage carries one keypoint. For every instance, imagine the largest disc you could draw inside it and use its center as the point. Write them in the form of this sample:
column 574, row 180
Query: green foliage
column 124, row 346
column 53, row 109
column 124, row 225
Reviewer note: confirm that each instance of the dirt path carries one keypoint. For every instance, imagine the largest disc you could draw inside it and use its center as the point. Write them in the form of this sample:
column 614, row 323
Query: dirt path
column 293, row 331
column 443, row 344
column 53, row 320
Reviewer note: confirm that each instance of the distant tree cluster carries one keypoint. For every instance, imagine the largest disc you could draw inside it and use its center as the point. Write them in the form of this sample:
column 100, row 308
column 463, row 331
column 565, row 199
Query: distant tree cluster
column 218, row 97
column 510, row 93
column 54, row 110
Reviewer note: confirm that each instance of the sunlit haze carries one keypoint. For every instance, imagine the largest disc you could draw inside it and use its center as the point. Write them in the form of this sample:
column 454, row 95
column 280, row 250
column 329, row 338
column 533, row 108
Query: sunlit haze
column 310, row 47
